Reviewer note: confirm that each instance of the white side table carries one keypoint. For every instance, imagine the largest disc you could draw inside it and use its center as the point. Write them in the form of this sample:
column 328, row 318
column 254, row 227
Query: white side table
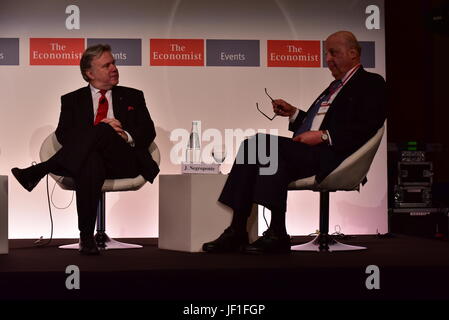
column 4, row 214
column 189, row 213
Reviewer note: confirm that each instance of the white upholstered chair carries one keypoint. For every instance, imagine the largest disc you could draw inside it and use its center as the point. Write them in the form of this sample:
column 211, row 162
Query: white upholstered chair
column 51, row 145
column 348, row 176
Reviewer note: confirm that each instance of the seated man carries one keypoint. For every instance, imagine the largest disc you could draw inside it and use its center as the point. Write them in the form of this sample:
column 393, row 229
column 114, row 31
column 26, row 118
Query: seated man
column 105, row 131
column 343, row 118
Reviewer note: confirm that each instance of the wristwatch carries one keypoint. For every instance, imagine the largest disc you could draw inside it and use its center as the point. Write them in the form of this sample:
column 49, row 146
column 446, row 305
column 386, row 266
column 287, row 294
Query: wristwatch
column 324, row 136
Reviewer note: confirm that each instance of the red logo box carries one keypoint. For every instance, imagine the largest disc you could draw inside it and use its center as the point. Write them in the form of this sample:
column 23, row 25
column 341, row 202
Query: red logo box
column 56, row 51
column 177, row 52
column 294, row 53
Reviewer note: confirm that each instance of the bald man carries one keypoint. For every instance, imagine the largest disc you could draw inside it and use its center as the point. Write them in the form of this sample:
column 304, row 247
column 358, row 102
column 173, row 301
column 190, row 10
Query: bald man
column 343, row 118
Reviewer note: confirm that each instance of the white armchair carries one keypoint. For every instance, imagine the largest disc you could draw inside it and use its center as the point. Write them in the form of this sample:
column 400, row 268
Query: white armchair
column 347, row 176
column 51, row 145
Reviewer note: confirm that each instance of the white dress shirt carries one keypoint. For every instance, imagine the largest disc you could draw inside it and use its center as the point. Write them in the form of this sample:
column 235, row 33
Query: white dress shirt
column 320, row 116
column 96, row 99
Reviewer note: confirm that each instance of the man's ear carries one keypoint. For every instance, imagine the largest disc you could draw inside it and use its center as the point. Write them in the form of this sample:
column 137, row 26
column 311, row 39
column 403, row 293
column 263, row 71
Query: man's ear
column 353, row 53
column 89, row 74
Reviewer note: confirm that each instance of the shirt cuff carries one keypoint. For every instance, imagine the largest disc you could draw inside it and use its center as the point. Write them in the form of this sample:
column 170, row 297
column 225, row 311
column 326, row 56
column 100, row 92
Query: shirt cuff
column 294, row 116
column 130, row 139
column 329, row 137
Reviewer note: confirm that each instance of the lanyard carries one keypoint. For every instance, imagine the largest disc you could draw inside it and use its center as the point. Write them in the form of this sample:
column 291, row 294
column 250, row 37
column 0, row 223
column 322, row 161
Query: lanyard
column 332, row 92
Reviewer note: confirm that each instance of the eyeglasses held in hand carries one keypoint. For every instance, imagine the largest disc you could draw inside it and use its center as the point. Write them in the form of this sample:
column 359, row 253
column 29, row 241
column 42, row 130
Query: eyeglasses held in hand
column 257, row 106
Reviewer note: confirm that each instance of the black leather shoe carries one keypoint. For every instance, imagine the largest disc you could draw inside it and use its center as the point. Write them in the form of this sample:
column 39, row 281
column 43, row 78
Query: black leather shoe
column 229, row 241
column 101, row 238
column 88, row 246
column 270, row 242
column 28, row 178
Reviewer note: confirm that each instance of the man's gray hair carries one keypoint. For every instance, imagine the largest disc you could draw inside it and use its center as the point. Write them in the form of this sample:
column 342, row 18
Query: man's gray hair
column 89, row 54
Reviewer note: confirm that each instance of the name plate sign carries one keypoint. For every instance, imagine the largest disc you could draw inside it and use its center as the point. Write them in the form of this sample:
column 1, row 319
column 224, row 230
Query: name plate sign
column 212, row 168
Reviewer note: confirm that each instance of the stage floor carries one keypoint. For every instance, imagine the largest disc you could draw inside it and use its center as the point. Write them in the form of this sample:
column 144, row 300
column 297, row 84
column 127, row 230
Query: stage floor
column 409, row 268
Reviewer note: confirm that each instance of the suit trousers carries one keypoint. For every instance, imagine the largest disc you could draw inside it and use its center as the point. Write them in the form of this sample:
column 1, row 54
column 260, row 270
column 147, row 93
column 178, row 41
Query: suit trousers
column 90, row 157
column 249, row 180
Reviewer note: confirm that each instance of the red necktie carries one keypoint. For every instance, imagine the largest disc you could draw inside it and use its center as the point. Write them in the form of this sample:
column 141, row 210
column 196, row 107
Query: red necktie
column 103, row 105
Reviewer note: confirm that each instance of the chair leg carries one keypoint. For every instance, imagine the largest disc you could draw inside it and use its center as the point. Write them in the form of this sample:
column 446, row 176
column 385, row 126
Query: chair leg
column 324, row 212
column 102, row 239
column 324, row 242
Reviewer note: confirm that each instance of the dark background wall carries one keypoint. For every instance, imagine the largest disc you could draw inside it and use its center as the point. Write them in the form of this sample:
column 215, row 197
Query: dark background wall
column 417, row 68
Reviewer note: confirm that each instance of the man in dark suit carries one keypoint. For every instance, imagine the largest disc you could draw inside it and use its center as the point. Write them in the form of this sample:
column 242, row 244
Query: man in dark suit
column 105, row 131
column 344, row 117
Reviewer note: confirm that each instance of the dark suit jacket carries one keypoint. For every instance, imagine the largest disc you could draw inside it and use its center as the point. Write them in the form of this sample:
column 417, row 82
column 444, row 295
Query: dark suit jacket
column 129, row 108
column 354, row 116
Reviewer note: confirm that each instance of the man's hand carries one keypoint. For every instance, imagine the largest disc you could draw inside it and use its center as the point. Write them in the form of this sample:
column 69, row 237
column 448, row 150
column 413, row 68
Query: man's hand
column 283, row 108
column 311, row 138
column 117, row 126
